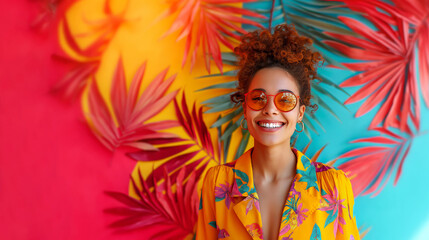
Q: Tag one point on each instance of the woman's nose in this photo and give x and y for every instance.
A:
(270, 107)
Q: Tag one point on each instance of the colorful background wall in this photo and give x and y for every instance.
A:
(111, 111)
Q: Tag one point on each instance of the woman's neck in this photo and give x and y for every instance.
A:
(273, 163)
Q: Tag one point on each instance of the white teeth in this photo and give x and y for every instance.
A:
(270, 125)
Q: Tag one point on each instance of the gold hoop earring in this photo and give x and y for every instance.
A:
(302, 123)
(241, 124)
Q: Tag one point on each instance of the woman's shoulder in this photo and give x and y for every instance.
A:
(222, 172)
(331, 177)
(323, 169)
(335, 184)
(223, 167)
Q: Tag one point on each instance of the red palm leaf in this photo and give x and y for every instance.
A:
(373, 165)
(205, 23)
(416, 12)
(49, 10)
(162, 212)
(72, 84)
(388, 64)
(126, 126)
(199, 143)
(172, 167)
(82, 70)
(199, 140)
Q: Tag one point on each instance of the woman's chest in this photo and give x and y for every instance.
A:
(241, 222)
(272, 200)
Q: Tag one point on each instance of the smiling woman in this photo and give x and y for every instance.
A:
(274, 191)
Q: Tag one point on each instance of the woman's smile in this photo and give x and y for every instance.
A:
(270, 125)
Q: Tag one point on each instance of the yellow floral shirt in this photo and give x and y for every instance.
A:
(319, 204)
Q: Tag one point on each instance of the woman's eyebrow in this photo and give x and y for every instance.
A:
(280, 90)
(284, 90)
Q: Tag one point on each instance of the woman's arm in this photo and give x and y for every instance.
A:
(206, 225)
(350, 229)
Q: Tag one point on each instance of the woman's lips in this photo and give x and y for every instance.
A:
(270, 126)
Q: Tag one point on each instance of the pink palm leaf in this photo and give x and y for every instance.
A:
(126, 126)
(372, 165)
(205, 23)
(160, 212)
(199, 141)
(48, 13)
(416, 12)
(387, 67)
(76, 80)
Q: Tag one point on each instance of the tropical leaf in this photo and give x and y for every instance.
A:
(225, 144)
(372, 165)
(160, 211)
(185, 150)
(363, 232)
(126, 126)
(205, 24)
(241, 147)
(76, 79)
(105, 29)
(86, 65)
(387, 64)
(49, 11)
(416, 12)
(313, 158)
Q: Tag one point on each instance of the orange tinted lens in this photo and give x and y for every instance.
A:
(285, 101)
(256, 99)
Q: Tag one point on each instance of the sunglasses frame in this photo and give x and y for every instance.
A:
(274, 97)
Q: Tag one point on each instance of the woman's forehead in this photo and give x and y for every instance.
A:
(273, 80)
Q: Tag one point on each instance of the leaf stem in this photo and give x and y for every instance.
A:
(271, 14)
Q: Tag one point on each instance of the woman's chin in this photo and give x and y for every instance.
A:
(270, 139)
(270, 142)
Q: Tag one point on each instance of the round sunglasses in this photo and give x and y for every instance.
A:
(284, 101)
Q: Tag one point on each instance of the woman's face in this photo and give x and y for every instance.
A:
(272, 80)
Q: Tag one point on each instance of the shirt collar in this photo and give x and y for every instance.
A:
(243, 185)
(304, 191)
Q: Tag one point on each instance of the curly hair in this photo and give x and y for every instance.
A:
(285, 49)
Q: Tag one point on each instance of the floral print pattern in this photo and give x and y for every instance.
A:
(222, 233)
(223, 192)
(319, 199)
(254, 230)
(252, 201)
(333, 205)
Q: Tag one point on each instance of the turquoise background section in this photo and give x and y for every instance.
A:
(398, 212)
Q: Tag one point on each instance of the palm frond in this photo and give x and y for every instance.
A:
(386, 66)
(162, 212)
(185, 150)
(49, 12)
(372, 166)
(86, 65)
(207, 23)
(126, 126)
(415, 12)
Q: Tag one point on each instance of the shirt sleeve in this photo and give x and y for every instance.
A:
(206, 225)
(350, 229)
